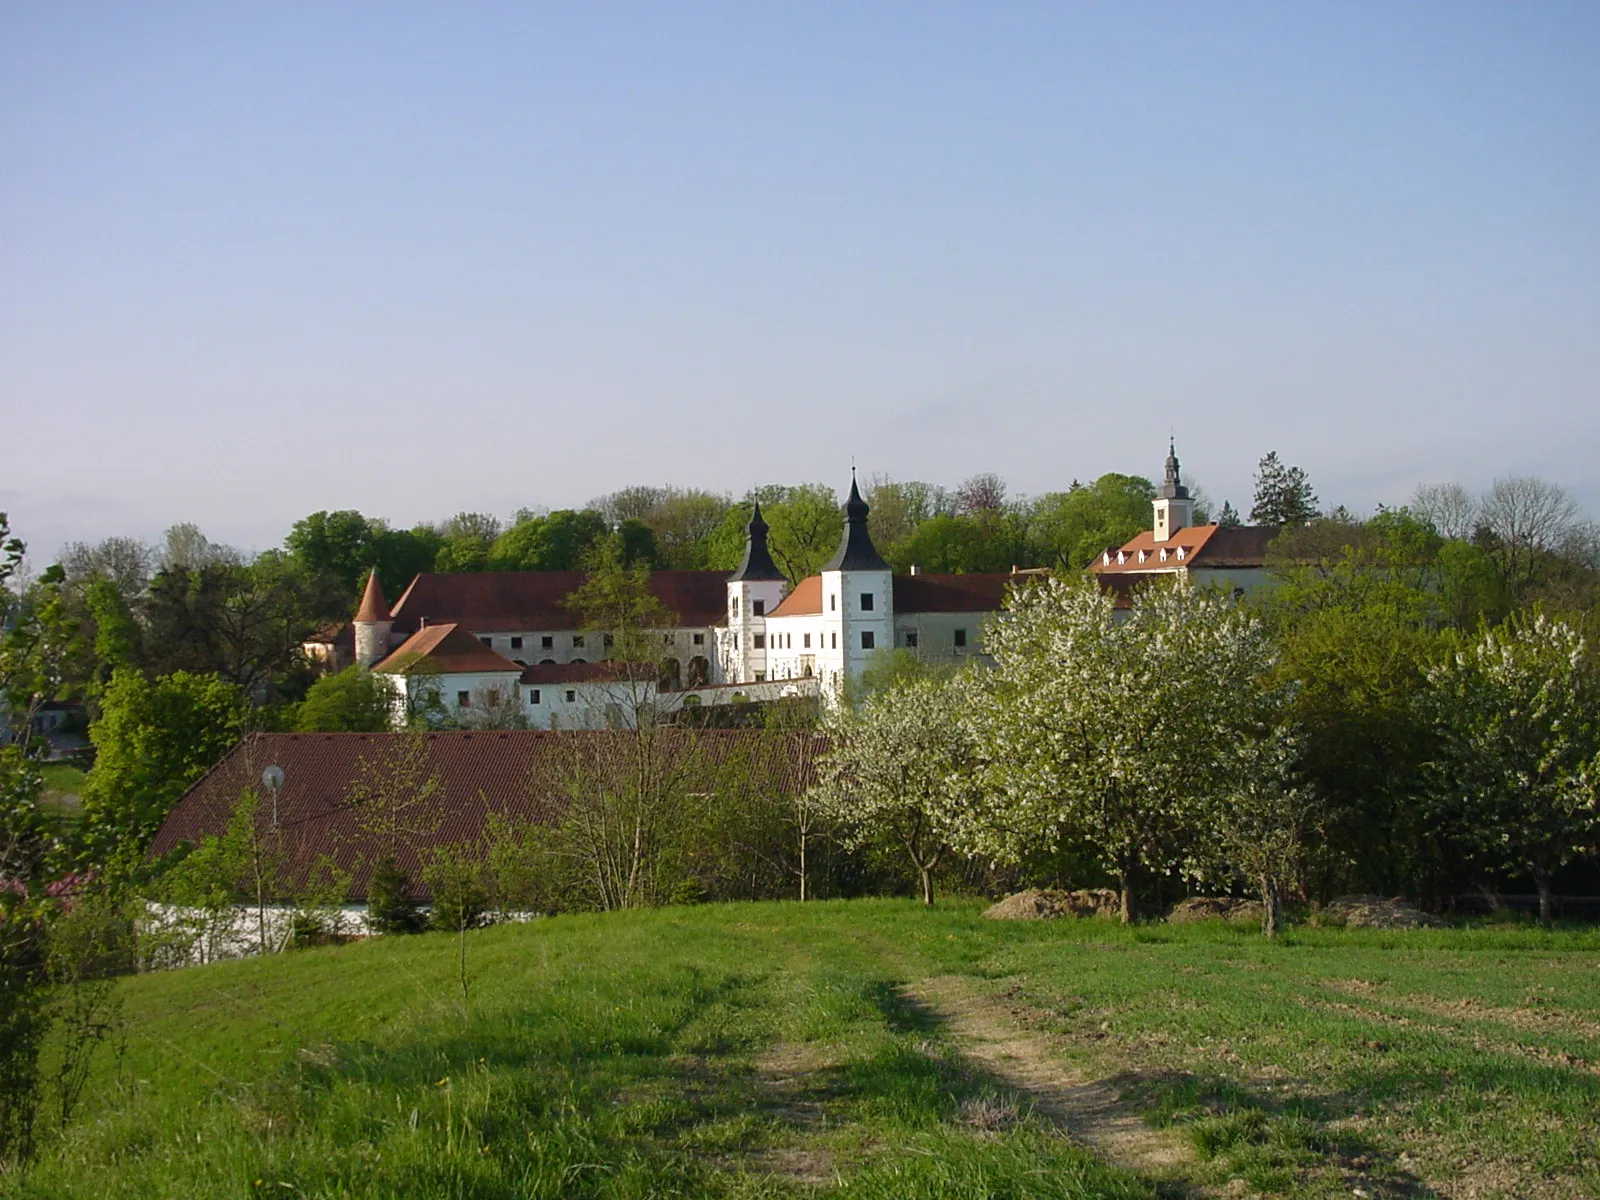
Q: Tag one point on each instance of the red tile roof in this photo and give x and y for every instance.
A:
(448, 649)
(950, 593)
(372, 606)
(512, 601)
(805, 600)
(928, 593)
(1206, 546)
(341, 634)
(523, 774)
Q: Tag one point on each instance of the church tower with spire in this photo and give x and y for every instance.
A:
(372, 625)
(754, 590)
(857, 599)
(1174, 509)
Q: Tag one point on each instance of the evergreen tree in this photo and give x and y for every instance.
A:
(1284, 495)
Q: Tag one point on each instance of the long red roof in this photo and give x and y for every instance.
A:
(515, 601)
(523, 774)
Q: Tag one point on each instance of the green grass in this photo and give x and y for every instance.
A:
(63, 779)
(766, 1050)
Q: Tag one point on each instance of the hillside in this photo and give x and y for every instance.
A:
(861, 1049)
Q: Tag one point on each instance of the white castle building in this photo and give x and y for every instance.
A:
(489, 637)
(472, 637)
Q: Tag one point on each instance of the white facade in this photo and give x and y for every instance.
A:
(459, 692)
(743, 650)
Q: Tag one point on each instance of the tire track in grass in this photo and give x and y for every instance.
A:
(788, 1076)
(1087, 1109)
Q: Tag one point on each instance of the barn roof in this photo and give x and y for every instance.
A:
(521, 773)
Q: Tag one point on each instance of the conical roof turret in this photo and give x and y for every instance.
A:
(757, 565)
(373, 607)
(856, 551)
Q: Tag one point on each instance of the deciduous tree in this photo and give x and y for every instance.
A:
(153, 739)
(354, 700)
(903, 769)
(1118, 734)
(1518, 713)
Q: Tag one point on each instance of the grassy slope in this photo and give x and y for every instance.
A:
(634, 1055)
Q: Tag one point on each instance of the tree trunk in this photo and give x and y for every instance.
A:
(802, 868)
(1125, 879)
(1272, 902)
(927, 884)
(1541, 880)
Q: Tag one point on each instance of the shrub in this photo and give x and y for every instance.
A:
(390, 908)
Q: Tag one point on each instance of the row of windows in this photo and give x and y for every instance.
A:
(785, 641)
(758, 608)
(869, 640)
(547, 642)
(464, 699)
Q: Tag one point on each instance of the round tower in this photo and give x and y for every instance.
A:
(372, 625)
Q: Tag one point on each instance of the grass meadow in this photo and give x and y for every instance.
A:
(862, 1049)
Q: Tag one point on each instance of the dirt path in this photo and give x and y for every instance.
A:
(1084, 1106)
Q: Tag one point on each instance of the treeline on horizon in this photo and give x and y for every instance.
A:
(175, 652)
(191, 604)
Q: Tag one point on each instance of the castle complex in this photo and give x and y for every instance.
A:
(484, 637)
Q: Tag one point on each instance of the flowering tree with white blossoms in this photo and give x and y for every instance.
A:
(1519, 718)
(1124, 734)
(1262, 823)
(902, 767)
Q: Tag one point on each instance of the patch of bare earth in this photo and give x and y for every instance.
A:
(1085, 1107)
(791, 1079)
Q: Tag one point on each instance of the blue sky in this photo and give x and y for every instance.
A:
(257, 261)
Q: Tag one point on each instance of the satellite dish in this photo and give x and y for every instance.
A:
(272, 777)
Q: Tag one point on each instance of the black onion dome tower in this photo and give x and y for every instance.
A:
(1173, 507)
(757, 566)
(1173, 488)
(856, 551)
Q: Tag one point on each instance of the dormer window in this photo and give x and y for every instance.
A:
(1163, 554)
(1143, 554)
(1105, 559)
(1181, 554)
(1121, 558)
